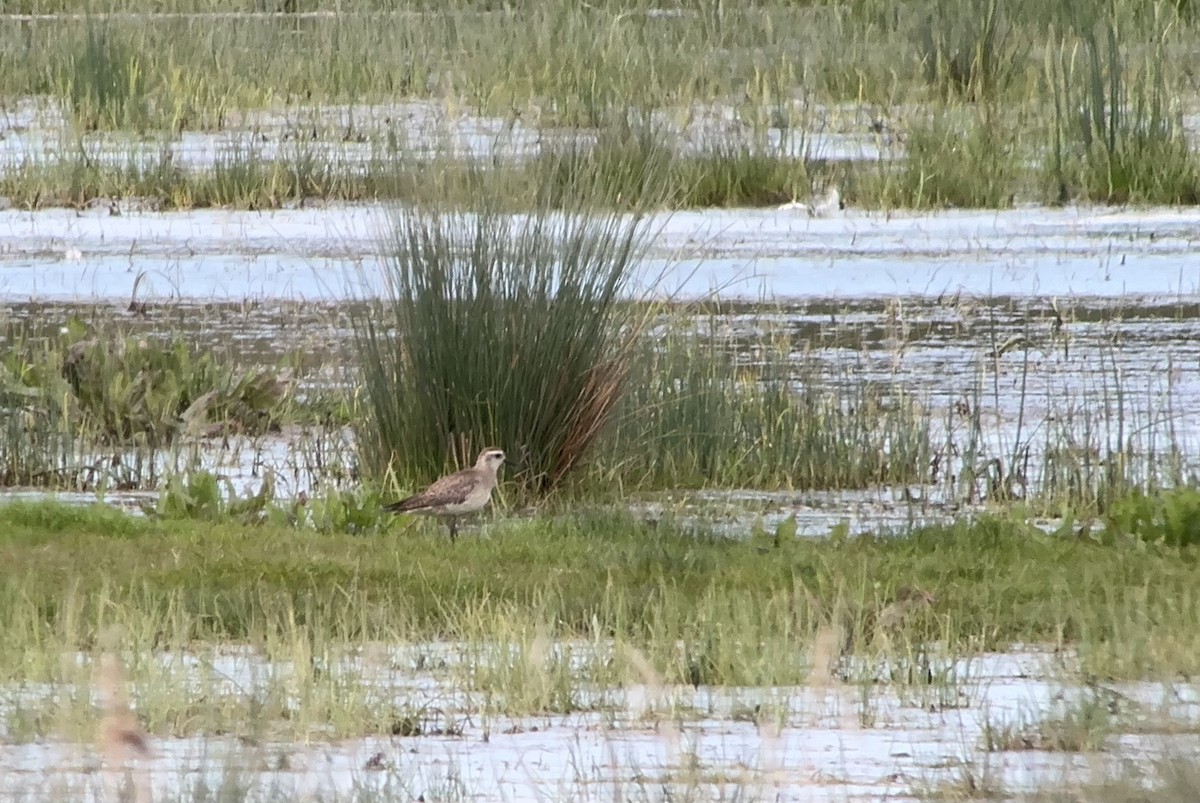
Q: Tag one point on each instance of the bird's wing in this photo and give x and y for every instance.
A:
(451, 489)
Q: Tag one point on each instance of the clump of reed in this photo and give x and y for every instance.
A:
(241, 177)
(105, 82)
(970, 50)
(641, 164)
(1117, 134)
(497, 329)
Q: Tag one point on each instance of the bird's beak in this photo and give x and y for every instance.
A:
(510, 462)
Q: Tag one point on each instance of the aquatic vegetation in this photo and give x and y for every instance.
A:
(104, 82)
(1102, 85)
(705, 408)
(498, 330)
(962, 158)
(93, 407)
(1117, 133)
(1079, 726)
(126, 389)
(1169, 518)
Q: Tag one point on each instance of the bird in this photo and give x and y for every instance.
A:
(457, 494)
(121, 734)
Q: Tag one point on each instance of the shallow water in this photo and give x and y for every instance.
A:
(1101, 255)
(353, 137)
(1070, 333)
(1082, 378)
(826, 741)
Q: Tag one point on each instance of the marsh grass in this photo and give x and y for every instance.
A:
(268, 633)
(978, 165)
(630, 167)
(37, 444)
(710, 407)
(1107, 68)
(1172, 778)
(1169, 518)
(968, 780)
(125, 389)
(971, 50)
(640, 164)
(1118, 135)
(241, 177)
(105, 83)
(629, 160)
(1078, 442)
(520, 670)
(959, 157)
(1080, 726)
(698, 608)
(728, 173)
(498, 330)
(95, 406)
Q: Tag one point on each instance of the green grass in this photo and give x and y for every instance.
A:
(1117, 133)
(638, 165)
(1081, 726)
(707, 409)
(961, 157)
(1101, 84)
(613, 602)
(601, 573)
(241, 178)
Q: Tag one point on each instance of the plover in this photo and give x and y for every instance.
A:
(457, 494)
(121, 735)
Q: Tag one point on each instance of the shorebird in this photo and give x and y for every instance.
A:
(121, 735)
(457, 494)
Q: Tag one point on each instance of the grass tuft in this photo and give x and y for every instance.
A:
(500, 330)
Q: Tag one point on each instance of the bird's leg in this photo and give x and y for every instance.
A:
(453, 527)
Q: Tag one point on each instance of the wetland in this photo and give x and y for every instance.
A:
(847, 353)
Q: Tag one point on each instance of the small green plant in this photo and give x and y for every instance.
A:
(200, 495)
(1170, 518)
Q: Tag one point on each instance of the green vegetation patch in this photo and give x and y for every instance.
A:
(597, 574)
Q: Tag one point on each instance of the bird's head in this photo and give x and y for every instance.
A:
(491, 459)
